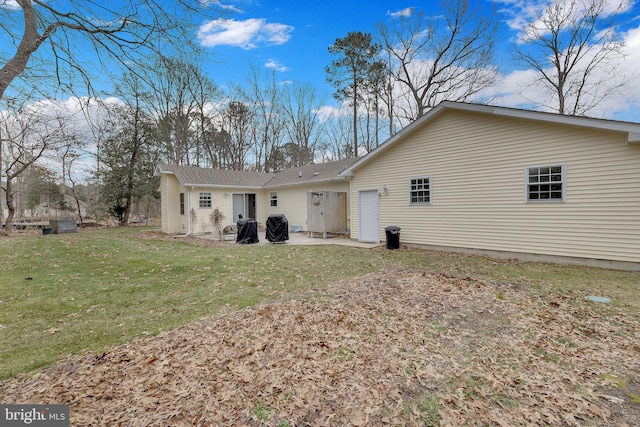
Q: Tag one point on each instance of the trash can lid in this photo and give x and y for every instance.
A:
(392, 228)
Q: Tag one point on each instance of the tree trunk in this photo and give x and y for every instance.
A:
(28, 44)
(355, 116)
(8, 226)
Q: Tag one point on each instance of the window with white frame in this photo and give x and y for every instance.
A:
(545, 183)
(420, 191)
(273, 199)
(205, 200)
(181, 203)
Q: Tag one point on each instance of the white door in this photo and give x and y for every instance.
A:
(369, 216)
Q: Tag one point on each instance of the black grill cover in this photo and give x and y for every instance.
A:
(277, 228)
(247, 231)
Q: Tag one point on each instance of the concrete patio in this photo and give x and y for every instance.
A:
(300, 239)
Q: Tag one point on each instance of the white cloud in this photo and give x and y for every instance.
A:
(328, 111)
(245, 34)
(522, 13)
(519, 88)
(276, 65)
(406, 12)
(10, 5)
(221, 5)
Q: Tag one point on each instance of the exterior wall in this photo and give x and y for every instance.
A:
(223, 200)
(170, 204)
(174, 223)
(292, 201)
(476, 164)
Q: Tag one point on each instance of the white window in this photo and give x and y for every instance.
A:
(273, 199)
(420, 191)
(205, 200)
(181, 203)
(545, 183)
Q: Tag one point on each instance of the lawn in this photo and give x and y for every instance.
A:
(63, 294)
(125, 324)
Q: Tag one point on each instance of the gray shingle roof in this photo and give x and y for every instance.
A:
(310, 173)
(194, 175)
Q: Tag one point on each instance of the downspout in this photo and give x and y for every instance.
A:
(189, 216)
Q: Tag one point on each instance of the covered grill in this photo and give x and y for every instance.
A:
(247, 231)
(277, 228)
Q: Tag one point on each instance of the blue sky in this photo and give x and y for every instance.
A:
(292, 38)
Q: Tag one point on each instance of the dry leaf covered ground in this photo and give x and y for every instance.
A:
(403, 347)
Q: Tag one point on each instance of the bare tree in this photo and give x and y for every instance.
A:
(443, 57)
(301, 107)
(267, 122)
(336, 145)
(26, 136)
(177, 95)
(123, 32)
(235, 137)
(207, 98)
(75, 193)
(573, 47)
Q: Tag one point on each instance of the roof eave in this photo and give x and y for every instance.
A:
(633, 138)
(242, 187)
(290, 184)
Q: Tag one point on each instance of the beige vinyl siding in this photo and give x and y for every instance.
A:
(476, 164)
(200, 217)
(170, 202)
(221, 199)
(292, 201)
(262, 206)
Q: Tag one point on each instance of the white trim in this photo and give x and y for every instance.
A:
(428, 178)
(200, 199)
(563, 171)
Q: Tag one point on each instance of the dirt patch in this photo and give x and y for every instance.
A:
(197, 241)
(398, 348)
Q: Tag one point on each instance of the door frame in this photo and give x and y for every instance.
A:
(249, 206)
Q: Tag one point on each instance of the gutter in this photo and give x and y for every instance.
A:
(189, 215)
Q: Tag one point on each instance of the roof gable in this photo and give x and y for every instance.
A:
(632, 130)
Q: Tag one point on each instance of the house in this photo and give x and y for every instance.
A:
(189, 194)
(504, 181)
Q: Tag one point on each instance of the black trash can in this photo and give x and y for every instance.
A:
(393, 237)
(277, 228)
(247, 231)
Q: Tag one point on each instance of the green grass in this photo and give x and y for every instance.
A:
(427, 408)
(65, 294)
